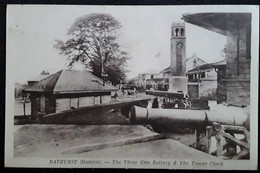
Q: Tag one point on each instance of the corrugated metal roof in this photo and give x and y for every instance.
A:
(71, 81)
(166, 69)
(201, 67)
(220, 63)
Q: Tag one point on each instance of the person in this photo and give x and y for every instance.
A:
(150, 104)
(160, 102)
(116, 95)
(155, 103)
(135, 91)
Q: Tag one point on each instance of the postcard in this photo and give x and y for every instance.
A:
(152, 87)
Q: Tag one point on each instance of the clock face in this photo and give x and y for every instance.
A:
(180, 45)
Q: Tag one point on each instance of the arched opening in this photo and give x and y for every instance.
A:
(182, 32)
(177, 32)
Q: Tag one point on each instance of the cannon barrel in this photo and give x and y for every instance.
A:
(187, 118)
(165, 94)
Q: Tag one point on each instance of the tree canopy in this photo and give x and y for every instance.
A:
(94, 42)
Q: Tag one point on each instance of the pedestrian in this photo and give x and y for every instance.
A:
(150, 104)
(116, 95)
(155, 103)
(135, 91)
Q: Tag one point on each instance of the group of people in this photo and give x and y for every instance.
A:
(156, 102)
(129, 91)
(126, 92)
(162, 102)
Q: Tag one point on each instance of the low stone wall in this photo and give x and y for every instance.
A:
(110, 113)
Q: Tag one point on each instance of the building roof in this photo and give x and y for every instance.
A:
(38, 78)
(217, 22)
(220, 63)
(70, 81)
(168, 69)
(202, 67)
(196, 58)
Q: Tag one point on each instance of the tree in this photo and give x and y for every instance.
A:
(94, 43)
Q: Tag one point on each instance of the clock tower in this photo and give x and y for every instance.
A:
(178, 49)
(178, 81)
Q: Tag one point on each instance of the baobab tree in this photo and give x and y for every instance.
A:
(94, 43)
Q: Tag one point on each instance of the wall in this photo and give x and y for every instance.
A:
(193, 90)
(66, 103)
(238, 92)
(95, 114)
(221, 86)
(35, 104)
(208, 89)
(50, 104)
(238, 63)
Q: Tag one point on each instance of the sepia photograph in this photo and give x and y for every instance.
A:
(159, 87)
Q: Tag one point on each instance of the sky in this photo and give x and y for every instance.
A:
(32, 30)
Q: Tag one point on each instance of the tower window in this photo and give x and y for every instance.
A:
(182, 32)
(177, 31)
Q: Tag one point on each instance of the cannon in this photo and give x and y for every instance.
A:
(186, 117)
(165, 94)
(221, 125)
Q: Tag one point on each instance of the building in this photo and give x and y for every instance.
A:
(141, 80)
(237, 28)
(202, 82)
(220, 68)
(18, 90)
(193, 61)
(166, 73)
(37, 78)
(68, 89)
(161, 84)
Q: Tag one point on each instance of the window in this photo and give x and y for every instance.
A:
(202, 74)
(177, 31)
(152, 76)
(182, 32)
